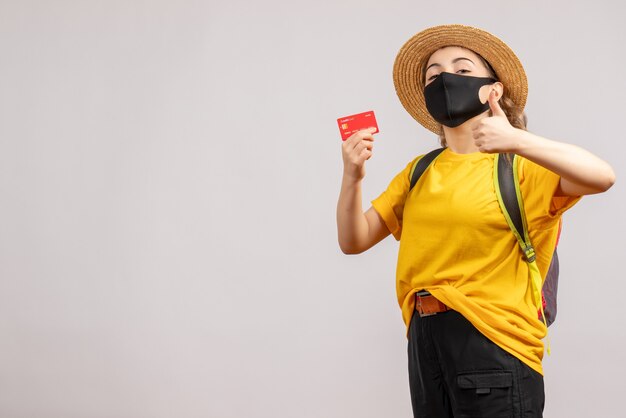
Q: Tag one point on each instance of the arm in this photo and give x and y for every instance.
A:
(357, 231)
(581, 172)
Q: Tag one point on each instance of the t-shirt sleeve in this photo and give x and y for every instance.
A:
(540, 192)
(390, 204)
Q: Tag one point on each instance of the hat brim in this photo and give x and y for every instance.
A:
(413, 56)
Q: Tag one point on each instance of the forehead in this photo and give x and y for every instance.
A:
(448, 53)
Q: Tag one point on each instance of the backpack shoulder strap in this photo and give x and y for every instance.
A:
(422, 164)
(506, 182)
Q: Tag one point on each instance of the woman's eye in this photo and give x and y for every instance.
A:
(463, 71)
(432, 77)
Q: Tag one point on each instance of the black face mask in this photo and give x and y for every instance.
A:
(452, 99)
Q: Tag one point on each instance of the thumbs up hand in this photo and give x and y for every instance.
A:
(495, 134)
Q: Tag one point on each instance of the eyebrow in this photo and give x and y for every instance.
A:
(453, 62)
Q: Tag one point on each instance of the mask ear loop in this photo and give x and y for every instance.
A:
(490, 90)
(496, 91)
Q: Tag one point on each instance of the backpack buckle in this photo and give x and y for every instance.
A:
(529, 253)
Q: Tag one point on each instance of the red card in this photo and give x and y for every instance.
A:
(351, 124)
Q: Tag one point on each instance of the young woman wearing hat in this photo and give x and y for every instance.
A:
(475, 341)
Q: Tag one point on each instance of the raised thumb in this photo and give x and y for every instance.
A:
(494, 105)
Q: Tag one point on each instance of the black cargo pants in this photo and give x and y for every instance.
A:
(455, 371)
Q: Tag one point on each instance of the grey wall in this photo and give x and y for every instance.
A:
(168, 179)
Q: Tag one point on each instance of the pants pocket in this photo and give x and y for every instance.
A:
(485, 394)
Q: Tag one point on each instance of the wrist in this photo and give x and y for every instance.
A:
(350, 178)
(523, 142)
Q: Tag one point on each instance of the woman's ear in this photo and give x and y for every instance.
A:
(498, 87)
(485, 91)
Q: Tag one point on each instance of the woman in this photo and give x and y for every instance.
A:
(475, 341)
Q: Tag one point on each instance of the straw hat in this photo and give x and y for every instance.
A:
(413, 56)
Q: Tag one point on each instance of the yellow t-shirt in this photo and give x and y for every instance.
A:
(455, 243)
